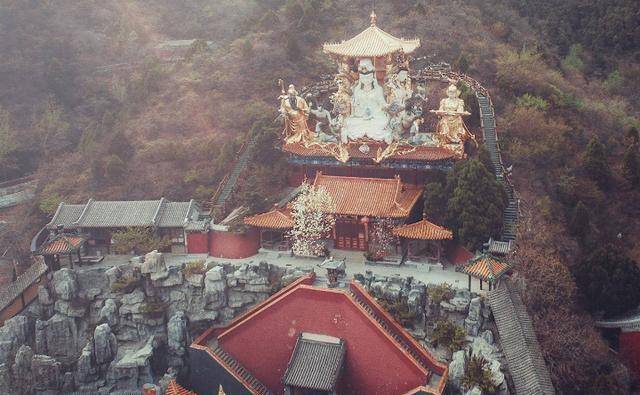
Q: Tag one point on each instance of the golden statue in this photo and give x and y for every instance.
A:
(295, 111)
(451, 131)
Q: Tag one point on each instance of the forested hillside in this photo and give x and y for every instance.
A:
(564, 76)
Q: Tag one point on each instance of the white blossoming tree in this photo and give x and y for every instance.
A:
(312, 220)
(382, 238)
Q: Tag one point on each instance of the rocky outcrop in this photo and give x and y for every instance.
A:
(474, 319)
(178, 339)
(101, 330)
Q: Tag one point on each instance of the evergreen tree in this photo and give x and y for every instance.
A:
(476, 203)
(579, 224)
(608, 280)
(633, 135)
(596, 165)
(485, 158)
(631, 165)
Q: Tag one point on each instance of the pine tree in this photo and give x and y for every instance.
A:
(631, 165)
(596, 165)
(608, 280)
(579, 224)
(476, 203)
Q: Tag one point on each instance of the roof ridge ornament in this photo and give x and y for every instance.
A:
(374, 18)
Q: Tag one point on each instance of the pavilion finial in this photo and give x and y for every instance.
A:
(374, 18)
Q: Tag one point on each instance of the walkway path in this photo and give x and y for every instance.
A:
(355, 264)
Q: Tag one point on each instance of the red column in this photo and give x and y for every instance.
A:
(629, 350)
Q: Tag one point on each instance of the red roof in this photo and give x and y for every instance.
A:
(459, 255)
(485, 267)
(419, 153)
(176, 389)
(423, 230)
(374, 197)
(262, 341)
(62, 244)
(274, 219)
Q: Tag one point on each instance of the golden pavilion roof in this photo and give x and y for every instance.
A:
(372, 42)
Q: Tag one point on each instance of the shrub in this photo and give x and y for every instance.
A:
(195, 267)
(478, 374)
(126, 283)
(138, 240)
(440, 293)
(449, 335)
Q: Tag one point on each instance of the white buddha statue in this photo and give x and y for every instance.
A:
(368, 117)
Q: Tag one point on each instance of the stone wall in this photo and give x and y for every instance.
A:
(110, 329)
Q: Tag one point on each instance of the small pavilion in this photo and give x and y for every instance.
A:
(373, 43)
(423, 239)
(486, 268)
(273, 226)
(62, 244)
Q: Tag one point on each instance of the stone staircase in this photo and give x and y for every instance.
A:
(510, 215)
(256, 386)
(229, 183)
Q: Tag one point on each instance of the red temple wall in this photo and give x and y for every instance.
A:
(197, 242)
(373, 364)
(629, 346)
(234, 245)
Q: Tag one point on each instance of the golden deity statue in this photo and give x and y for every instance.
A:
(451, 130)
(295, 111)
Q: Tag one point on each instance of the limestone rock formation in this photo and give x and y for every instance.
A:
(65, 284)
(177, 339)
(474, 320)
(46, 373)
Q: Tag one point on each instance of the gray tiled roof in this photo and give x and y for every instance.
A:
(316, 362)
(519, 343)
(121, 214)
(66, 215)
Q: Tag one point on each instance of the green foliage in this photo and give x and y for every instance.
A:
(114, 167)
(126, 283)
(49, 202)
(528, 100)
(400, 310)
(485, 158)
(596, 164)
(475, 204)
(53, 130)
(633, 135)
(579, 224)
(195, 267)
(608, 280)
(440, 293)
(631, 165)
(138, 240)
(462, 63)
(614, 82)
(478, 374)
(449, 335)
(573, 60)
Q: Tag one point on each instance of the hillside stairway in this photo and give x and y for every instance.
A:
(218, 203)
(488, 122)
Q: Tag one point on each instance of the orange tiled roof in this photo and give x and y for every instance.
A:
(485, 267)
(375, 197)
(423, 230)
(420, 153)
(62, 244)
(274, 219)
(176, 389)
